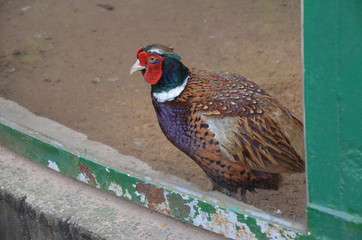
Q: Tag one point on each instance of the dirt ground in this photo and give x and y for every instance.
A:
(70, 61)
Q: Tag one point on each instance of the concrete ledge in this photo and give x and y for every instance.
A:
(21, 221)
(38, 203)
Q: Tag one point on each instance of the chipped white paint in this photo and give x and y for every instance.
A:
(142, 198)
(223, 221)
(171, 94)
(163, 207)
(107, 170)
(53, 166)
(116, 189)
(184, 197)
(192, 205)
(83, 178)
(274, 232)
(127, 195)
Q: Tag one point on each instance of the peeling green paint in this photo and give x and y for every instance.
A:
(178, 206)
(228, 221)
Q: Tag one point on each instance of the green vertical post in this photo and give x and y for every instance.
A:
(333, 112)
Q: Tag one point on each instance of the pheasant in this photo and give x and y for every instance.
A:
(240, 136)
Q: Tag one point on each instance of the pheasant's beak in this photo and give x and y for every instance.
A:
(136, 67)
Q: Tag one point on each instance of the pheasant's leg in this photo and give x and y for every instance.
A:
(252, 180)
(237, 193)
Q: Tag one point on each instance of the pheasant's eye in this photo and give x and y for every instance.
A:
(152, 59)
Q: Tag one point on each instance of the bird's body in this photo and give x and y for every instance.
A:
(237, 133)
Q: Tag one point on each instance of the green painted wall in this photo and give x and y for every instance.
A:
(333, 110)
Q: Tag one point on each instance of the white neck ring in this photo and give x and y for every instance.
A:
(171, 94)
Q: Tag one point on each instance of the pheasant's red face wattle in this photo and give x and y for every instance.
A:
(153, 64)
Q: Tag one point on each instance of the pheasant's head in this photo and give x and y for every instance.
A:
(150, 60)
(161, 68)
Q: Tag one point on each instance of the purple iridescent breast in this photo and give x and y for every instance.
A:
(173, 120)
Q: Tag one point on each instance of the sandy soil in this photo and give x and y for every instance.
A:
(70, 61)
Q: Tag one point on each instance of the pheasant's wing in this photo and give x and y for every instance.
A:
(215, 160)
(253, 128)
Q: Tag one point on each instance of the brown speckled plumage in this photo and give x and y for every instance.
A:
(223, 94)
(261, 137)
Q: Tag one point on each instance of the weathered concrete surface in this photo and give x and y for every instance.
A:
(38, 203)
